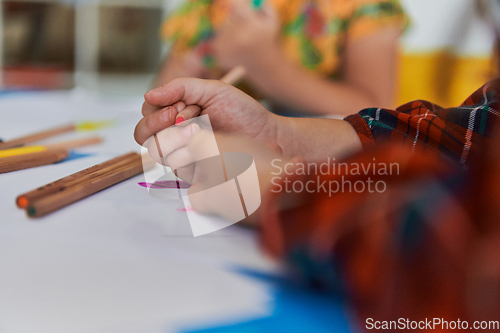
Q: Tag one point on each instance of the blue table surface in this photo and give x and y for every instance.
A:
(296, 309)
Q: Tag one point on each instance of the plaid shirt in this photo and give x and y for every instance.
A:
(425, 247)
(456, 134)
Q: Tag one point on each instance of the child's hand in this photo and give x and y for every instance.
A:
(248, 36)
(209, 173)
(230, 110)
(196, 156)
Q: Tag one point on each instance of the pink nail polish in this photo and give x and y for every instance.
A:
(179, 120)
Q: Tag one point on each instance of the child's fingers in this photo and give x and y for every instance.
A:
(168, 141)
(185, 173)
(213, 202)
(191, 111)
(153, 123)
(179, 158)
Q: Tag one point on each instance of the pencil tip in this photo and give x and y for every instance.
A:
(22, 202)
(31, 211)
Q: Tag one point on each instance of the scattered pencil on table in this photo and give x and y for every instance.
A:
(83, 126)
(25, 199)
(39, 148)
(26, 161)
(77, 143)
(82, 184)
(22, 141)
(21, 151)
(86, 126)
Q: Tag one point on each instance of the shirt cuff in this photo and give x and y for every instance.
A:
(362, 129)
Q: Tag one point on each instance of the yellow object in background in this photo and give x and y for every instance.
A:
(448, 50)
(444, 78)
(93, 125)
(21, 151)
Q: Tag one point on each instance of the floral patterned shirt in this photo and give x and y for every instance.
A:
(313, 33)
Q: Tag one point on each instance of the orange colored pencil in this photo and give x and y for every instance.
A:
(80, 190)
(26, 199)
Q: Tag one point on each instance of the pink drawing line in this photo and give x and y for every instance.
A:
(166, 184)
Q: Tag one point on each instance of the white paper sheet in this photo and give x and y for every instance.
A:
(120, 260)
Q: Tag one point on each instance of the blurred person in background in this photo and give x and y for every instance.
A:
(318, 57)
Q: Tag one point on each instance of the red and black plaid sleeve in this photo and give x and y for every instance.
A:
(426, 246)
(456, 134)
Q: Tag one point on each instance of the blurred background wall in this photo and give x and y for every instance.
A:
(113, 45)
(449, 49)
(104, 45)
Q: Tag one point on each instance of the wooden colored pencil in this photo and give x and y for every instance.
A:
(234, 75)
(26, 199)
(21, 151)
(37, 136)
(14, 163)
(76, 143)
(50, 203)
(38, 148)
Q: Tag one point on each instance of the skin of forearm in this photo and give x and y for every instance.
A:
(312, 140)
(316, 139)
(281, 80)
